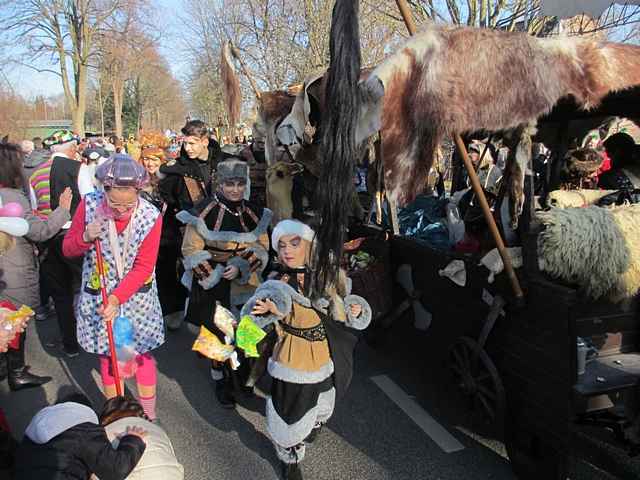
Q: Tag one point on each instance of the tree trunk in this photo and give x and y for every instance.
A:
(118, 93)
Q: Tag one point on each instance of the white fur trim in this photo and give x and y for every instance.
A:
(291, 227)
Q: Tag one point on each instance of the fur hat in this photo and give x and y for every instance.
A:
(291, 227)
(230, 169)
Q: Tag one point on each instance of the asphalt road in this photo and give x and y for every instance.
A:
(369, 437)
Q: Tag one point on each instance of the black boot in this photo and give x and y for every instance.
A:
(291, 471)
(224, 390)
(314, 434)
(19, 376)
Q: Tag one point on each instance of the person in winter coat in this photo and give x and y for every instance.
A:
(128, 229)
(185, 182)
(225, 251)
(66, 442)
(19, 265)
(159, 460)
(312, 360)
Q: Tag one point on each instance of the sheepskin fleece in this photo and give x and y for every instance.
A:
(576, 198)
(596, 248)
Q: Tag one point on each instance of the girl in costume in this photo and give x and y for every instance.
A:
(128, 228)
(225, 250)
(312, 361)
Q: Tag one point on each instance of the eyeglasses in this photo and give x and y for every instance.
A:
(126, 206)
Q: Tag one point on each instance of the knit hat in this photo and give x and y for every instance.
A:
(291, 227)
(11, 221)
(122, 171)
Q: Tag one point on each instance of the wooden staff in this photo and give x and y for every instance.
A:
(245, 70)
(108, 325)
(475, 181)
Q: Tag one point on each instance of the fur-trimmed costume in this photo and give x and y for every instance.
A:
(312, 361)
(222, 233)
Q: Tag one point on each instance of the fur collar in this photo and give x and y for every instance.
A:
(211, 236)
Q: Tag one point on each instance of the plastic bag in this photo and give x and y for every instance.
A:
(225, 321)
(124, 339)
(248, 336)
(211, 347)
(455, 225)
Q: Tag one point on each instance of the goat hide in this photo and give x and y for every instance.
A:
(429, 92)
(597, 249)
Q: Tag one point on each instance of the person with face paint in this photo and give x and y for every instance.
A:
(128, 228)
(225, 251)
(312, 360)
(171, 292)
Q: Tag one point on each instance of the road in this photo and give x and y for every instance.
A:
(369, 437)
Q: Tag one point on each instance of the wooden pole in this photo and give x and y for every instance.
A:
(245, 70)
(475, 181)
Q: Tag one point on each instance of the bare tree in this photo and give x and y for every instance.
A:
(63, 34)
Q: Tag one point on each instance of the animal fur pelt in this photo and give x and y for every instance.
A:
(576, 198)
(339, 143)
(230, 85)
(596, 248)
(428, 93)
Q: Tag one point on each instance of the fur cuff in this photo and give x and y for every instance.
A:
(361, 322)
(192, 261)
(275, 291)
(244, 270)
(213, 279)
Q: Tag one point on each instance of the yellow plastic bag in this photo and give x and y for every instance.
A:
(211, 347)
(248, 336)
(17, 316)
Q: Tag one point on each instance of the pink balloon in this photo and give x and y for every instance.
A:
(11, 209)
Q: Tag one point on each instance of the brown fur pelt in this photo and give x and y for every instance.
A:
(230, 85)
(597, 249)
(429, 94)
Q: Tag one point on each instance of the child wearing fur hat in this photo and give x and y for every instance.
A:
(311, 364)
(225, 251)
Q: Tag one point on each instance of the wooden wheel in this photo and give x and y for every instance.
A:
(477, 379)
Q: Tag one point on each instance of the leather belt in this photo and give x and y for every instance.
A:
(313, 334)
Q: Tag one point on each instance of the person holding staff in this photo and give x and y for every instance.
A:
(128, 229)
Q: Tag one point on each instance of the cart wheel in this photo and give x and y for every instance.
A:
(531, 457)
(475, 375)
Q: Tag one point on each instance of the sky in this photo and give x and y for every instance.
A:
(29, 83)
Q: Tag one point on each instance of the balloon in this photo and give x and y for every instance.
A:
(11, 209)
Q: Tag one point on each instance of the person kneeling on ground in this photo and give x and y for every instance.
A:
(66, 442)
(159, 460)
